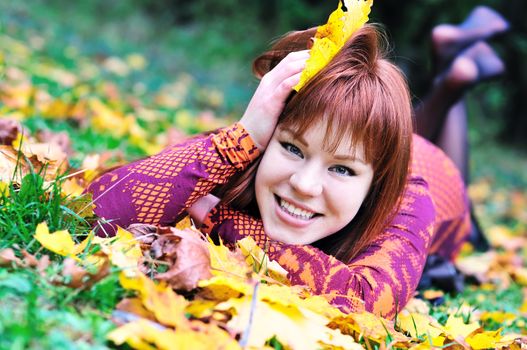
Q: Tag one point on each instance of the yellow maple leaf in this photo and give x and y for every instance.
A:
(200, 308)
(167, 306)
(329, 39)
(288, 297)
(370, 326)
(484, 340)
(224, 287)
(71, 187)
(105, 119)
(142, 334)
(497, 316)
(418, 324)
(256, 257)
(123, 250)
(456, 327)
(285, 323)
(520, 275)
(60, 242)
(184, 223)
(4, 189)
(226, 262)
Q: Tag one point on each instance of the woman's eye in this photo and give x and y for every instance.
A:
(342, 170)
(292, 149)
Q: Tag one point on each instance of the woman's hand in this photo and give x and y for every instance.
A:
(266, 105)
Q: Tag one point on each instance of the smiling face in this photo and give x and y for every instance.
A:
(306, 192)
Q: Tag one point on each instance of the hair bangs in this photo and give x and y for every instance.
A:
(344, 108)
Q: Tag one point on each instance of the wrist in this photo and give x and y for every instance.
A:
(254, 134)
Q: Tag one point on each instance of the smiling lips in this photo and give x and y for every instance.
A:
(294, 211)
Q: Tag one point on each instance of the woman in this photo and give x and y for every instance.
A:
(331, 199)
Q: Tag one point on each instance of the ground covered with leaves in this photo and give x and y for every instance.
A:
(67, 114)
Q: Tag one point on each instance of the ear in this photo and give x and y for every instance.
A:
(310, 43)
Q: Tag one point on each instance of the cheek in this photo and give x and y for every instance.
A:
(347, 200)
(261, 181)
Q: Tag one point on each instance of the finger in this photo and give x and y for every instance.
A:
(295, 56)
(287, 69)
(284, 89)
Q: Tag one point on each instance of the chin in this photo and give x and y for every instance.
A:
(289, 239)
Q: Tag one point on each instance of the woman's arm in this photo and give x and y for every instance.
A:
(381, 279)
(156, 190)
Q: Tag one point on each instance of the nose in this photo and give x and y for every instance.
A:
(307, 181)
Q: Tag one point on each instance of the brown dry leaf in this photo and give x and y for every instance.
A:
(76, 276)
(43, 264)
(47, 153)
(9, 130)
(39, 155)
(144, 233)
(60, 139)
(30, 259)
(8, 165)
(8, 257)
(192, 260)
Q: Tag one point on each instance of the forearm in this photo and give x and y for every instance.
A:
(158, 189)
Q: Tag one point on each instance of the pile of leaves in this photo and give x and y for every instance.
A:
(233, 299)
(171, 287)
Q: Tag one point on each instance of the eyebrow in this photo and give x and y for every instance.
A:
(349, 158)
(295, 136)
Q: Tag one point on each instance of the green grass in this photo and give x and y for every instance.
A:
(39, 310)
(33, 202)
(36, 314)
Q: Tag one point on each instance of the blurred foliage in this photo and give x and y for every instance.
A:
(216, 40)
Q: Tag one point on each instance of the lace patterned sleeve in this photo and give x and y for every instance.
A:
(381, 279)
(156, 190)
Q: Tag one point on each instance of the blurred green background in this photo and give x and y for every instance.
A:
(215, 42)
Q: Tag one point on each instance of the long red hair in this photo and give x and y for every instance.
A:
(360, 94)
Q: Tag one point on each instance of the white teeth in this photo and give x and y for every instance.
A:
(292, 210)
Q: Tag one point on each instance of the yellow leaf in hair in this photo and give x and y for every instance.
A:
(329, 39)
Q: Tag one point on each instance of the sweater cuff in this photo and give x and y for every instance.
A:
(234, 144)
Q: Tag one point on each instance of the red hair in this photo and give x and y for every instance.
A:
(363, 97)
